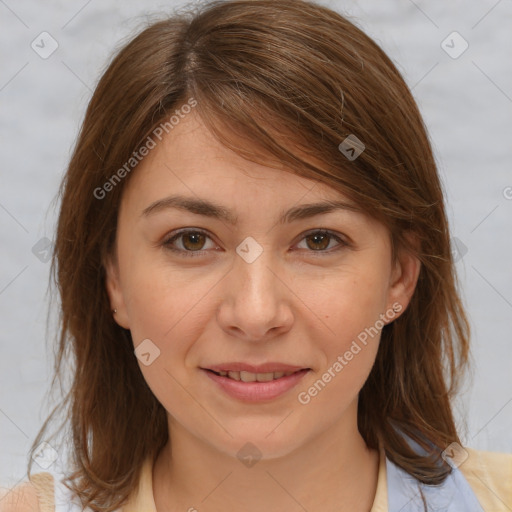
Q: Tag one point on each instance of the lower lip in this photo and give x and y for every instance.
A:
(257, 391)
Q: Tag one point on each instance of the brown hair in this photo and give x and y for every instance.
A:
(284, 75)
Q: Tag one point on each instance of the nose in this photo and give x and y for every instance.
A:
(256, 300)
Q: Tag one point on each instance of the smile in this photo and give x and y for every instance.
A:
(254, 377)
(260, 386)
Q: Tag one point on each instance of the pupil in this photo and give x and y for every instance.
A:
(196, 238)
(318, 238)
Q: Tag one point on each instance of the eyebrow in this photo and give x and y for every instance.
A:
(216, 211)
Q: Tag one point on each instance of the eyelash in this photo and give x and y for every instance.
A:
(183, 252)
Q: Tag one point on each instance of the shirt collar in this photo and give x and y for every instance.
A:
(396, 490)
(143, 501)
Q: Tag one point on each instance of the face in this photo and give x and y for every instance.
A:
(249, 325)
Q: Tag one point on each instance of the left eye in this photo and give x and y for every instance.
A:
(193, 241)
(321, 239)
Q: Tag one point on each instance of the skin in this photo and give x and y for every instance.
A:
(294, 304)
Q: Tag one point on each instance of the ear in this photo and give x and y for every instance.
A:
(404, 276)
(114, 291)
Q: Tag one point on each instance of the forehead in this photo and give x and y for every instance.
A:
(191, 159)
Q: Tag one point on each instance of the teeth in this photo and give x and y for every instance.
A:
(254, 377)
(264, 377)
(249, 377)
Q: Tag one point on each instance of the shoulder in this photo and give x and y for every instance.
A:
(22, 498)
(43, 492)
(490, 476)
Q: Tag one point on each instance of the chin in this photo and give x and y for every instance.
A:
(261, 440)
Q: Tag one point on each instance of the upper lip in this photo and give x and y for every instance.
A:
(254, 368)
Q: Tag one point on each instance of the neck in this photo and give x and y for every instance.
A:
(335, 471)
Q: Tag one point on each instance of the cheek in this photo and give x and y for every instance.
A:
(160, 299)
(167, 307)
(348, 309)
(163, 309)
(346, 304)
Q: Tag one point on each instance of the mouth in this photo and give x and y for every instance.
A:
(245, 376)
(251, 383)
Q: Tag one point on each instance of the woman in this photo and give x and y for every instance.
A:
(256, 281)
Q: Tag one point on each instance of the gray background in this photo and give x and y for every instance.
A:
(467, 106)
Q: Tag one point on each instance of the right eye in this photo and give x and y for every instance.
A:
(191, 240)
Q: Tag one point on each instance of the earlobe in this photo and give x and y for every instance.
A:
(114, 291)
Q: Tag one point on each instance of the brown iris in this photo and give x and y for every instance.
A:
(322, 238)
(197, 241)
